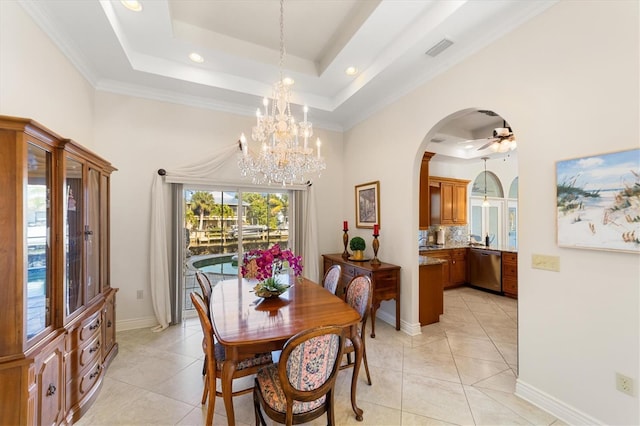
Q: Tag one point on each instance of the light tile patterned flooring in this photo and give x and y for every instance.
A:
(460, 371)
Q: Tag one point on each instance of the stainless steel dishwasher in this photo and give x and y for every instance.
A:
(485, 269)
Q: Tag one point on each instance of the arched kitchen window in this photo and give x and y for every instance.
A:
(513, 189)
(494, 187)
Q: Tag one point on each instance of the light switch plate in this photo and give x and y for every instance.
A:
(547, 263)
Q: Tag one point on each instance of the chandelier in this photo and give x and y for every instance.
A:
(285, 155)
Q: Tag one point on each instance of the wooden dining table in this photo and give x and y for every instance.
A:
(246, 324)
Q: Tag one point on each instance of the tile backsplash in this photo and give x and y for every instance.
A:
(452, 235)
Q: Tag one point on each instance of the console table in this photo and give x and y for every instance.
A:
(385, 278)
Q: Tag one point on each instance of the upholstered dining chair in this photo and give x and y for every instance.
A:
(300, 387)
(332, 278)
(215, 354)
(358, 295)
(206, 287)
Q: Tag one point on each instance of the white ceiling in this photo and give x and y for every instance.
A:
(146, 53)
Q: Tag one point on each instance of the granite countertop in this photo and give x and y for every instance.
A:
(427, 261)
(425, 249)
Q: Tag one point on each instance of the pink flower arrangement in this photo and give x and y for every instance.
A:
(266, 264)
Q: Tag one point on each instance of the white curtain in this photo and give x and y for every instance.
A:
(310, 252)
(159, 243)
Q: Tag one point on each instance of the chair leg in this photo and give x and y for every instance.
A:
(366, 364)
(330, 413)
(256, 407)
(211, 389)
(205, 391)
(204, 366)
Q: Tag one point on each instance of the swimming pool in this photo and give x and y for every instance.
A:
(224, 264)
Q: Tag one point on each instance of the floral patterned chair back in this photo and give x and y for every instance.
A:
(332, 278)
(300, 387)
(358, 295)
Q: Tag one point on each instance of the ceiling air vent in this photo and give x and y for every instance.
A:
(439, 47)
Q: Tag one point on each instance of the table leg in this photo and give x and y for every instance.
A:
(374, 309)
(398, 312)
(357, 345)
(228, 368)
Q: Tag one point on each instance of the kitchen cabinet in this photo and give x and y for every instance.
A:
(448, 198)
(458, 269)
(454, 270)
(425, 199)
(54, 260)
(510, 274)
(385, 278)
(430, 297)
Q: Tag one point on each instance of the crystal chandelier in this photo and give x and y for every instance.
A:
(285, 155)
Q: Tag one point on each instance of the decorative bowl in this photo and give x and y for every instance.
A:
(270, 288)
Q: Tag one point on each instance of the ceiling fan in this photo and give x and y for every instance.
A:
(502, 140)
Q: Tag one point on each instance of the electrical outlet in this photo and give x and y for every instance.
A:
(624, 384)
(140, 295)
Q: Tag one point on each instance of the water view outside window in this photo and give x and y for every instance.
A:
(218, 225)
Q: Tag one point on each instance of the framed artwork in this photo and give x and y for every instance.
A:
(368, 204)
(598, 202)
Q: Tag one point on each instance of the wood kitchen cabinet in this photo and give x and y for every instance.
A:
(430, 293)
(448, 200)
(54, 260)
(385, 278)
(454, 271)
(458, 268)
(425, 198)
(510, 274)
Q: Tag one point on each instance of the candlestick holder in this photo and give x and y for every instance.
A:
(376, 245)
(345, 240)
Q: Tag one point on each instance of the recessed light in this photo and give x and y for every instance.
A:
(288, 81)
(196, 58)
(351, 71)
(133, 5)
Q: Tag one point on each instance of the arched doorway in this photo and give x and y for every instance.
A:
(458, 142)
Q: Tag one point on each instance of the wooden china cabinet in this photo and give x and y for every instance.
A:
(57, 306)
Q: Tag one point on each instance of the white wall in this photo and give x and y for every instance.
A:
(559, 80)
(38, 82)
(141, 136)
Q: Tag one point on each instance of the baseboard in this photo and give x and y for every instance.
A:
(553, 406)
(135, 323)
(410, 329)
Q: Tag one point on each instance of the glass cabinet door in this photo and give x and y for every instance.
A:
(104, 232)
(38, 240)
(92, 235)
(73, 236)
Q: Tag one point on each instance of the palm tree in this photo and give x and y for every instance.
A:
(202, 204)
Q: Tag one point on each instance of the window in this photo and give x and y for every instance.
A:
(219, 225)
(499, 219)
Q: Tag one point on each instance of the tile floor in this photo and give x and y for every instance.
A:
(460, 371)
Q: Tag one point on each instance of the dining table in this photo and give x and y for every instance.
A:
(246, 324)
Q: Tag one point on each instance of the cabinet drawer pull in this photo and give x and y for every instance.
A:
(95, 374)
(109, 323)
(51, 390)
(95, 348)
(94, 326)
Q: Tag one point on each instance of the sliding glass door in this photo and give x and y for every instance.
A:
(219, 225)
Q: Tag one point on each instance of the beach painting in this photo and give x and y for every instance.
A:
(598, 202)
